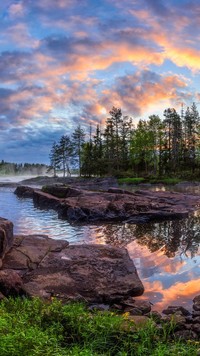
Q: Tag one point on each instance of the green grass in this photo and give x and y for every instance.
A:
(33, 327)
(169, 181)
(130, 180)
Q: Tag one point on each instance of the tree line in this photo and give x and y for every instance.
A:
(9, 168)
(153, 147)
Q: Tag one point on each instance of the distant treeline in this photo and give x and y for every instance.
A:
(154, 147)
(7, 168)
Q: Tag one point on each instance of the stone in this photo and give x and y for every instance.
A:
(174, 309)
(133, 311)
(11, 283)
(196, 307)
(196, 329)
(6, 237)
(185, 335)
(2, 296)
(156, 316)
(93, 273)
(196, 300)
(138, 320)
(99, 307)
(143, 305)
(196, 319)
(195, 313)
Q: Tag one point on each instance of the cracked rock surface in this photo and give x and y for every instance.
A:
(94, 273)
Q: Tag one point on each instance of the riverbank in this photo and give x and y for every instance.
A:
(51, 328)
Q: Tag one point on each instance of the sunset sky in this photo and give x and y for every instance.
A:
(65, 62)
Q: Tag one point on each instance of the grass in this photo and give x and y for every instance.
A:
(168, 181)
(131, 180)
(33, 327)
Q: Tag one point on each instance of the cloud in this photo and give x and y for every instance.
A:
(59, 56)
(16, 10)
(143, 90)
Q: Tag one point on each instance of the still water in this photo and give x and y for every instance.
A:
(166, 254)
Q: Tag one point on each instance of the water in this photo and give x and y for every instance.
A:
(166, 254)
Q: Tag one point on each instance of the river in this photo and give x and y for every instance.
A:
(166, 254)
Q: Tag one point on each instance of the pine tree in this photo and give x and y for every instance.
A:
(78, 138)
(54, 158)
(66, 154)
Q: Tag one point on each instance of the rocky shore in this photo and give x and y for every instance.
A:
(86, 206)
(101, 275)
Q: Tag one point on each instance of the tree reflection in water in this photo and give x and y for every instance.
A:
(180, 237)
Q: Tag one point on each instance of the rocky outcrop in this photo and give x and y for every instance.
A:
(187, 325)
(116, 204)
(94, 273)
(6, 237)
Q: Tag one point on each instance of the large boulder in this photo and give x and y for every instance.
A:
(6, 237)
(94, 273)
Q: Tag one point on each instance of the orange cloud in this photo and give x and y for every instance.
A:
(177, 294)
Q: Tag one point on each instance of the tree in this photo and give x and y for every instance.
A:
(54, 158)
(191, 124)
(155, 128)
(66, 154)
(78, 138)
(172, 139)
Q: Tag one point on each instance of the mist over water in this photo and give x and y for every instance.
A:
(166, 254)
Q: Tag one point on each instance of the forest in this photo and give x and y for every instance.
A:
(152, 148)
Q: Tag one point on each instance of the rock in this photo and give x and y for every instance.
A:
(174, 309)
(24, 191)
(196, 307)
(195, 313)
(77, 204)
(11, 284)
(29, 251)
(143, 305)
(99, 307)
(178, 320)
(133, 311)
(6, 237)
(94, 273)
(196, 319)
(186, 335)
(196, 300)
(156, 316)
(196, 329)
(2, 296)
(138, 320)
(61, 191)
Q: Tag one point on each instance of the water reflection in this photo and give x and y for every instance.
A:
(166, 280)
(180, 237)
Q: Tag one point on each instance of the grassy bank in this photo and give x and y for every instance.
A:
(149, 180)
(29, 328)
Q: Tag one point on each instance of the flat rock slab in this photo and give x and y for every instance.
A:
(94, 273)
(114, 205)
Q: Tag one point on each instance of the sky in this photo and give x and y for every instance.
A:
(68, 62)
